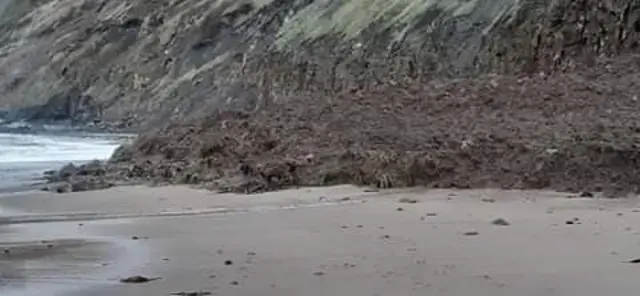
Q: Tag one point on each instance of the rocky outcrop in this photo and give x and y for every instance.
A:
(138, 63)
(71, 178)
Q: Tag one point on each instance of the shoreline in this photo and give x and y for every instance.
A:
(312, 241)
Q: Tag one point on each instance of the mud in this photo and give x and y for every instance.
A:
(573, 130)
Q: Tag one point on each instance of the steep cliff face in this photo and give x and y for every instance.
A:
(136, 63)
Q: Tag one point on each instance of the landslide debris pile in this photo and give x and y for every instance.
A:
(576, 130)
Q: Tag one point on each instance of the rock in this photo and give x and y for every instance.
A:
(93, 168)
(408, 200)
(471, 233)
(399, 209)
(66, 172)
(228, 262)
(500, 222)
(64, 188)
(586, 194)
(318, 273)
(198, 293)
(634, 261)
(138, 279)
(89, 183)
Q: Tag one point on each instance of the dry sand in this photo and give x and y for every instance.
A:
(318, 241)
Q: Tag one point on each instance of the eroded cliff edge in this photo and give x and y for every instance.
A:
(136, 63)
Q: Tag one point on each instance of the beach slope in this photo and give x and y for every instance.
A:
(318, 241)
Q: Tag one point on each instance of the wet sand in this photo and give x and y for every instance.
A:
(319, 241)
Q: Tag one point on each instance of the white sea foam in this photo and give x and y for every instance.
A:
(19, 148)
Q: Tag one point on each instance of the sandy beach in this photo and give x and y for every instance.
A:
(318, 241)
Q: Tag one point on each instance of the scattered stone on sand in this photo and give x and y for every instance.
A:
(7, 251)
(251, 253)
(228, 262)
(135, 237)
(432, 214)
(488, 200)
(359, 226)
(500, 222)
(344, 226)
(471, 233)
(386, 236)
(399, 209)
(586, 194)
(345, 199)
(573, 221)
(619, 214)
(318, 273)
(235, 283)
(408, 200)
(369, 190)
(199, 293)
(138, 279)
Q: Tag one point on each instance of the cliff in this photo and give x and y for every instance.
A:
(137, 63)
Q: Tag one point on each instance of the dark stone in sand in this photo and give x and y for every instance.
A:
(228, 262)
(634, 261)
(408, 200)
(471, 233)
(399, 209)
(500, 222)
(138, 279)
(199, 293)
(318, 273)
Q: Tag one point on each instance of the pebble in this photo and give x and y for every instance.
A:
(500, 222)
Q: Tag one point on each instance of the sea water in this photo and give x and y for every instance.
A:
(24, 157)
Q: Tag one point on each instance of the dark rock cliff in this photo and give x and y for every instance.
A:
(138, 63)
